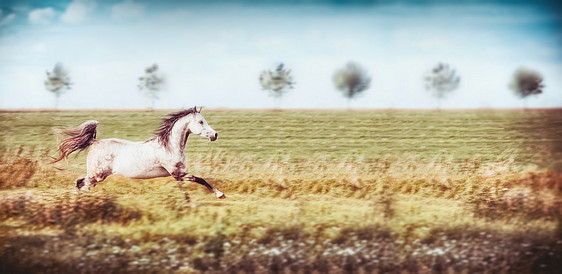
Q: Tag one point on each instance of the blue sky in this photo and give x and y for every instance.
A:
(212, 52)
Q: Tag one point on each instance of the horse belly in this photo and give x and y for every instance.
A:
(141, 172)
(147, 174)
(138, 167)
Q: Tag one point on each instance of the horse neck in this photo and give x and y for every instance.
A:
(179, 134)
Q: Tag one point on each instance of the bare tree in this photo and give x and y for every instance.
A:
(440, 81)
(57, 82)
(151, 84)
(351, 80)
(277, 82)
(525, 83)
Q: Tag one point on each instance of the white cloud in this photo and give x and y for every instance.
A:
(343, 43)
(38, 47)
(4, 20)
(127, 10)
(270, 44)
(41, 16)
(78, 10)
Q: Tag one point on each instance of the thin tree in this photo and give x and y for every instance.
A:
(526, 82)
(440, 81)
(151, 84)
(351, 80)
(277, 82)
(57, 82)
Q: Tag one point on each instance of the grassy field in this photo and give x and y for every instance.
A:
(308, 191)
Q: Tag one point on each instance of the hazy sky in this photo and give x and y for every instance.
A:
(212, 52)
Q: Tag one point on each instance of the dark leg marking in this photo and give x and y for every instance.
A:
(80, 183)
(201, 181)
(178, 172)
(180, 175)
(86, 181)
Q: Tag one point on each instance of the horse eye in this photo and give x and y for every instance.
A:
(201, 122)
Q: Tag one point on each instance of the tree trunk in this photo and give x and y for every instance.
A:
(278, 102)
(57, 96)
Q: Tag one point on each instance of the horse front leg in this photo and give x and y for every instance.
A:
(181, 175)
(200, 181)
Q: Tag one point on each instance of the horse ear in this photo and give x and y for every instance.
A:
(195, 109)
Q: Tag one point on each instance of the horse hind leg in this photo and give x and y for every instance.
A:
(85, 182)
(90, 181)
(80, 183)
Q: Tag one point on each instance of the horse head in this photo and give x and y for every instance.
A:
(198, 125)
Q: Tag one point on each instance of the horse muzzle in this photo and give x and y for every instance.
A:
(214, 137)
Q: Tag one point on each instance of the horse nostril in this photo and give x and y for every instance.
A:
(216, 135)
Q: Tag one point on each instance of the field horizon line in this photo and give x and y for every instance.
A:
(16, 110)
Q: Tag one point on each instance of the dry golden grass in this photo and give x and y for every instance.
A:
(317, 215)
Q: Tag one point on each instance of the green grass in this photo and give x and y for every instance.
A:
(531, 137)
(325, 191)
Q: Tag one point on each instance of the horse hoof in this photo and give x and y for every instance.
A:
(220, 195)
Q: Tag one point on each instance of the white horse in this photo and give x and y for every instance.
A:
(159, 156)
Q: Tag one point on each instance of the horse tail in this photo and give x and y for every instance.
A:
(78, 138)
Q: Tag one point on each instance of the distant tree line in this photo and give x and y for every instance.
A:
(277, 82)
(526, 82)
(351, 80)
(57, 82)
(151, 84)
(440, 81)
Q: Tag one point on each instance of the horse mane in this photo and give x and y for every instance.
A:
(165, 130)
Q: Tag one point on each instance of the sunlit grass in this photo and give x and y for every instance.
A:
(293, 204)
